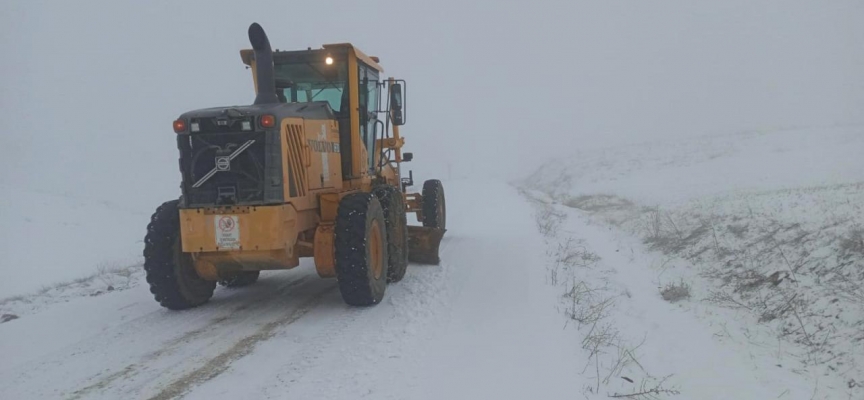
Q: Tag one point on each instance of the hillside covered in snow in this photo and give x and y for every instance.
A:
(757, 234)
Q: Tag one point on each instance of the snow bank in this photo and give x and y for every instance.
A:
(53, 238)
(670, 172)
(764, 227)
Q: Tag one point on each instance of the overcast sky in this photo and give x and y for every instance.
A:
(89, 88)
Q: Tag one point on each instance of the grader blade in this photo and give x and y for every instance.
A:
(423, 244)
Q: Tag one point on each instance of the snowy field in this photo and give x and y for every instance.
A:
(465, 329)
(756, 238)
(655, 271)
(54, 237)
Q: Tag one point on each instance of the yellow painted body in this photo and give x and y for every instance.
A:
(276, 236)
(314, 167)
(257, 228)
(268, 235)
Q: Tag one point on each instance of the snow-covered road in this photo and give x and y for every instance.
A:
(489, 322)
(482, 324)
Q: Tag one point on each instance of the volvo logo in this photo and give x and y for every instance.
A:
(223, 163)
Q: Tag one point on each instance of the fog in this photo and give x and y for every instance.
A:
(89, 89)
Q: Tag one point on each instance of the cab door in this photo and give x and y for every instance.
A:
(368, 91)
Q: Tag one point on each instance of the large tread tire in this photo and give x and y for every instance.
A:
(170, 273)
(434, 206)
(397, 230)
(361, 264)
(240, 279)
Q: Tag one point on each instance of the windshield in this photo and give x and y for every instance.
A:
(301, 82)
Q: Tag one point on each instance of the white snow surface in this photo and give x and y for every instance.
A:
(675, 343)
(670, 172)
(53, 237)
(763, 227)
(546, 292)
(480, 325)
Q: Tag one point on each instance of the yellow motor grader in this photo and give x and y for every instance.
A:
(310, 169)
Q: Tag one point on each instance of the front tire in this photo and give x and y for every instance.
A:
(361, 249)
(397, 230)
(170, 272)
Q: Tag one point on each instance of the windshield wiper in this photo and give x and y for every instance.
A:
(321, 90)
(325, 78)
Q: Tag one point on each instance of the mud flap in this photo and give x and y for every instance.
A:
(423, 244)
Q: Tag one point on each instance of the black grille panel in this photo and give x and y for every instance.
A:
(248, 170)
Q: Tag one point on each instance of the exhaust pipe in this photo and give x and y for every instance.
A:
(265, 79)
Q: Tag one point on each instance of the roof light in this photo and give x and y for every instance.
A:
(179, 126)
(268, 121)
(329, 60)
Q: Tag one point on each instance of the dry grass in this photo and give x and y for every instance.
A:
(649, 389)
(852, 244)
(805, 278)
(549, 220)
(7, 317)
(794, 259)
(597, 202)
(108, 277)
(674, 292)
(590, 305)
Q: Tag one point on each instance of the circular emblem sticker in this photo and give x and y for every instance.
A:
(223, 163)
(226, 224)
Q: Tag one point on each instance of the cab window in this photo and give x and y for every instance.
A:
(302, 82)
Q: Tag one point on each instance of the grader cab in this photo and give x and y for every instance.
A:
(311, 169)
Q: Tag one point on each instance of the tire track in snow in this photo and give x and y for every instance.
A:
(104, 382)
(315, 365)
(171, 346)
(215, 322)
(220, 363)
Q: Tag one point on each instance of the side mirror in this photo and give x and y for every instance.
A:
(396, 105)
(406, 157)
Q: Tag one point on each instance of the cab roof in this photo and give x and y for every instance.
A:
(247, 55)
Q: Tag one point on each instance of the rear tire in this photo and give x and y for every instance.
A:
(361, 249)
(434, 206)
(170, 272)
(397, 230)
(240, 279)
